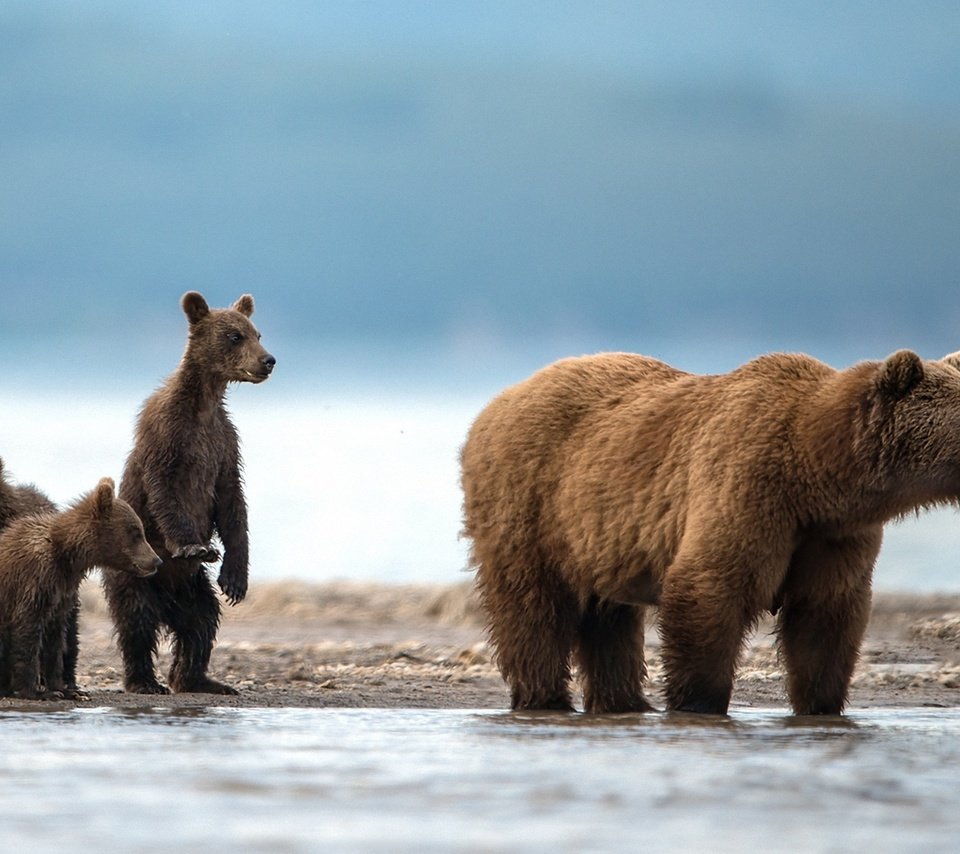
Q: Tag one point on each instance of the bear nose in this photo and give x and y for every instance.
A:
(268, 362)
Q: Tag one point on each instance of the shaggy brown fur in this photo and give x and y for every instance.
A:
(607, 483)
(43, 559)
(20, 499)
(183, 477)
(23, 499)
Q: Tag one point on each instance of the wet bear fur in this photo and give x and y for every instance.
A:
(20, 499)
(43, 558)
(23, 499)
(183, 478)
(607, 483)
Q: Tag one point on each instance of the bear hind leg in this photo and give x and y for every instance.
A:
(532, 626)
(194, 621)
(610, 656)
(134, 609)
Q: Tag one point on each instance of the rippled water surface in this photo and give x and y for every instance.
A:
(410, 780)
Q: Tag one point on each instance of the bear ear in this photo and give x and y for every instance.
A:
(952, 359)
(899, 373)
(103, 497)
(194, 306)
(244, 305)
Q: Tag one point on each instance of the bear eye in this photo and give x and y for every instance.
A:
(235, 337)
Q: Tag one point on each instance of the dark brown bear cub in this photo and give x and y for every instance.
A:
(608, 483)
(23, 499)
(183, 477)
(43, 558)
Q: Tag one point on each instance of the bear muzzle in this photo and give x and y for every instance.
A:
(267, 364)
(147, 565)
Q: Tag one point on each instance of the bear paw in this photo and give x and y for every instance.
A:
(151, 687)
(74, 693)
(234, 586)
(205, 554)
(204, 685)
(34, 694)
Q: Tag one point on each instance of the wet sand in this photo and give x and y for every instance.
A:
(372, 645)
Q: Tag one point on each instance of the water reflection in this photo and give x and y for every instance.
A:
(673, 726)
(421, 780)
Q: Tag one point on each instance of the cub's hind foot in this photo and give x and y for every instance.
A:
(146, 687)
(204, 685)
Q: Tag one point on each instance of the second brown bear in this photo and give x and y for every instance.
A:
(183, 478)
(608, 483)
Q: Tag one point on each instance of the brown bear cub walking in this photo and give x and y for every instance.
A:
(607, 483)
(43, 558)
(183, 477)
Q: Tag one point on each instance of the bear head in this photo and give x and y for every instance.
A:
(118, 538)
(223, 342)
(917, 415)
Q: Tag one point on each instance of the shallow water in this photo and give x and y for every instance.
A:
(412, 780)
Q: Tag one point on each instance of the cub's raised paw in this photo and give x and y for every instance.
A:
(205, 554)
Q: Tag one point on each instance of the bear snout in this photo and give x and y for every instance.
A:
(147, 566)
(257, 369)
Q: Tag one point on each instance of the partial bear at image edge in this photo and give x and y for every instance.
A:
(605, 484)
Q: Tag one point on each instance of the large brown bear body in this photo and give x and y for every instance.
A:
(183, 477)
(43, 558)
(607, 483)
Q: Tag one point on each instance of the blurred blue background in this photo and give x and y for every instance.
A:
(436, 198)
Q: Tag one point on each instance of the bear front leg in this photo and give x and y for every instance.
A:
(182, 533)
(825, 611)
(702, 626)
(230, 518)
(233, 577)
(194, 624)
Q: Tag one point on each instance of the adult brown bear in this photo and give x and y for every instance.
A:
(183, 478)
(607, 483)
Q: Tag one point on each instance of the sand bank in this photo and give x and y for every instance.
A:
(372, 645)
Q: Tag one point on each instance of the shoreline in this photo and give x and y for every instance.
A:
(369, 645)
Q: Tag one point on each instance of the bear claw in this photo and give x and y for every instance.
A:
(205, 554)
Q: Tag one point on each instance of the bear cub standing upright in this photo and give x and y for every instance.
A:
(607, 483)
(183, 477)
(43, 558)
